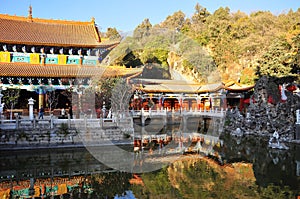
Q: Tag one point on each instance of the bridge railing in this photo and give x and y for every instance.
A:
(183, 112)
(123, 119)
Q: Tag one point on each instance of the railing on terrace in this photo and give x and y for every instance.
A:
(51, 123)
(115, 120)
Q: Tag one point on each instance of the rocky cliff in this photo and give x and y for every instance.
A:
(270, 110)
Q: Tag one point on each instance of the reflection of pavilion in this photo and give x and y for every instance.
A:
(178, 142)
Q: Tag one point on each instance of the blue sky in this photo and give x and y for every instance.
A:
(126, 15)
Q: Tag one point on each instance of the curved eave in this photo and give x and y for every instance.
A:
(76, 45)
(165, 91)
(239, 88)
(167, 88)
(210, 88)
(79, 45)
(61, 71)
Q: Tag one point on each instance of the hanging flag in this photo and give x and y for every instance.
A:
(34, 58)
(5, 57)
(62, 59)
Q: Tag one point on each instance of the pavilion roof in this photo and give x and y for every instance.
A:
(67, 71)
(179, 86)
(36, 31)
(210, 87)
(167, 86)
(235, 86)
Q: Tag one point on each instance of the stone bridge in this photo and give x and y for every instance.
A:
(189, 120)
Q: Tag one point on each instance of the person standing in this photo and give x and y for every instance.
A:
(41, 112)
(63, 113)
(71, 112)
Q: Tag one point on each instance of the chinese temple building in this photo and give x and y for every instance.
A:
(182, 95)
(41, 54)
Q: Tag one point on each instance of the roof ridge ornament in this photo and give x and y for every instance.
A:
(14, 48)
(4, 48)
(24, 49)
(88, 52)
(30, 13)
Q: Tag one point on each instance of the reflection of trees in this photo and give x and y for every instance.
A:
(204, 178)
(157, 185)
(270, 166)
(107, 185)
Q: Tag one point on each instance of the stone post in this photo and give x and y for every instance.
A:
(69, 121)
(85, 122)
(51, 121)
(30, 105)
(143, 117)
(184, 120)
(165, 116)
(1, 105)
(17, 121)
(297, 124)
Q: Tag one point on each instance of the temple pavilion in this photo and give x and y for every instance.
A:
(41, 54)
(38, 55)
(157, 94)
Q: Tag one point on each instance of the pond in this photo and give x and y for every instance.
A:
(231, 168)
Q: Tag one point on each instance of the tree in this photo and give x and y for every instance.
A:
(143, 29)
(11, 97)
(197, 24)
(52, 99)
(112, 34)
(200, 14)
(175, 21)
(273, 62)
(120, 96)
(294, 56)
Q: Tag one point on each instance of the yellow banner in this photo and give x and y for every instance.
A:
(34, 58)
(62, 59)
(5, 57)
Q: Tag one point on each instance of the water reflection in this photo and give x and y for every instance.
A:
(245, 167)
(271, 166)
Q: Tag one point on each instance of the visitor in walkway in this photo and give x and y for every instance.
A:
(63, 112)
(71, 112)
(41, 112)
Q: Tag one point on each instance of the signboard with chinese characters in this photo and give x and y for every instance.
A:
(21, 57)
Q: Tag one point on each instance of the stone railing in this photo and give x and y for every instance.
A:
(52, 122)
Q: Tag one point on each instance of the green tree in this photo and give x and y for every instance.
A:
(11, 97)
(175, 21)
(143, 29)
(294, 57)
(200, 14)
(274, 61)
(197, 25)
(112, 34)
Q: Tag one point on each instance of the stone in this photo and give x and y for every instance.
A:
(263, 116)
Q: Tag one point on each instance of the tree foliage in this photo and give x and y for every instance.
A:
(11, 97)
(143, 29)
(120, 96)
(235, 43)
(274, 61)
(112, 34)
